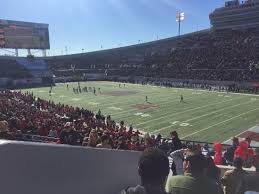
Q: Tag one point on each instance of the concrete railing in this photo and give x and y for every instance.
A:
(36, 168)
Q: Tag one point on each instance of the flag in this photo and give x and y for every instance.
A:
(179, 16)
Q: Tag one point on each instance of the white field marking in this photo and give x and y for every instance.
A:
(204, 115)
(138, 114)
(184, 124)
(197, 93)
(220, 123)
(62, 96)
(138, 99)
(76, 99)
(253, 99)
(207, 91)
(114, 108)
(220, 95)
(226, 96)
(93, 103)
(175, 122)
(40, 91)
(250, 129)
(159, 109)
(200, 107)
(145, 115)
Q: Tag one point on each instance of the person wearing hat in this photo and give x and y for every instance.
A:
(232, 178)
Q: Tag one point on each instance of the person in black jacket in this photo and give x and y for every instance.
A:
(229, 154)
(176, 142)
(69, 136)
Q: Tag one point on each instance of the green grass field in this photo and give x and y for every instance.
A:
(204, 115)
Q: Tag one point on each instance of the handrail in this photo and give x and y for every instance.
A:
(38, 138)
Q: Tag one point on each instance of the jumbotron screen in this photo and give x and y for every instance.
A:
(23, 35)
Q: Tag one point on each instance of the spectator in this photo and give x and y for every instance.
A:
(229, 154)
(232, 178)
(212, 170)
(250, 182)
(53, 133)
(4, 132)
(153, 169)
(158, 139)
(242, 151)
(245, 153)
(177, 164)
(176, 142)
(122, 144)
(194, 180)
(256, 159)
(248, 140)
(218, 153)
(93, 138)
(104, 142)
(69, 135)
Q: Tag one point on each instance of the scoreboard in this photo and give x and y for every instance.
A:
(23, 35)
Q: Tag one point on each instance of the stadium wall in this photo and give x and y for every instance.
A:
(29, 168)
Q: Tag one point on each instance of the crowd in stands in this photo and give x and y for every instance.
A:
(193, 167)
(25, 114)
(10, 68)
(229, 55)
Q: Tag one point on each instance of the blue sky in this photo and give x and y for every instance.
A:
(90, 24)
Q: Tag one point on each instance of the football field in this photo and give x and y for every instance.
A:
(203, 115)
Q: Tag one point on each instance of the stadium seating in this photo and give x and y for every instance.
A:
(37, 67)
(10, 68)
(208, 55)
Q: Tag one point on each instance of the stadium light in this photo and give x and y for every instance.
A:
(179, 19)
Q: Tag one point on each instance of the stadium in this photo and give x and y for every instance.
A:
(202, 86)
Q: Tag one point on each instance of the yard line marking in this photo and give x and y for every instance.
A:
(187, 111)
(204, 115)
(165, 102)
(239, 134)
(207, 91)
(137, 99)
(220, 123)
(76, 99)
(114, 108)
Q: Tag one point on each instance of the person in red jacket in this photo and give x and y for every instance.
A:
(218, 154)
(244, 153)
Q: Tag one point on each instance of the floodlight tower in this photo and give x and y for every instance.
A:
(179, 19)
